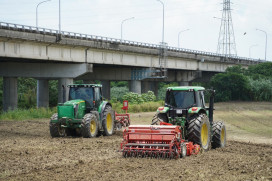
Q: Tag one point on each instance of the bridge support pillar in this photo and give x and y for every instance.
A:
(63, 82)
(145, 86)
(88, 81)
(150, 86)
(184, 83)
(135, 86)
(106, 89)
(42, 93)
(10, 94)
(154, 88)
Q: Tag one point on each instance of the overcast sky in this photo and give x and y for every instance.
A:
(104, 17)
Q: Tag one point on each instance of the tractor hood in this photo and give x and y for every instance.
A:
(71, 102)
(72, 109)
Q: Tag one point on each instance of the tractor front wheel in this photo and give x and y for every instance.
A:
(89, 126)
(55, 129)
(159, 117)
(199, 131)
(219, 135)
(108, 121)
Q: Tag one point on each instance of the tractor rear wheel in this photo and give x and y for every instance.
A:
(159, 117)
(108, 121)
(89, 126)
(199, 131)
(55, 129)
(219, 135)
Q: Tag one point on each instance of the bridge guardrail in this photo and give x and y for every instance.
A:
(41, 30)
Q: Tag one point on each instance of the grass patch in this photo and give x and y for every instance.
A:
(253, 117)
(25, 114)
(40, 113)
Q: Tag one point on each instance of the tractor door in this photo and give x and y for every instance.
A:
(97, 97)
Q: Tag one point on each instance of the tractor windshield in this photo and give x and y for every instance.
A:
(180, 99)
(85, 93)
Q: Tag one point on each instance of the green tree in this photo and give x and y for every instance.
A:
(118, 92)
(261, 90)
(262, 70)
(236, 69)
(230, 86)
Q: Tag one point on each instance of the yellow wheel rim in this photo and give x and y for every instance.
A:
(222, 136)
(109, 122)
(93, 127)
(204, 134)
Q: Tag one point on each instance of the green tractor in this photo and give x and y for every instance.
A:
(84, 114)
(185, 106)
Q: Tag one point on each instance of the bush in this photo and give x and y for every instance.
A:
(230, 86)
(133, 108)
(117, 93)
(133, 98)
(136, 98)
(261, 90)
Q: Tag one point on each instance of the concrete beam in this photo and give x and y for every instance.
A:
(44, 70)
(63, 83)
(42, 93)
(10, 94)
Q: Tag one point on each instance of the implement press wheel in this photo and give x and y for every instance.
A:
(183, 152)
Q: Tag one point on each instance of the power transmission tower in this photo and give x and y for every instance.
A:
(226, 41)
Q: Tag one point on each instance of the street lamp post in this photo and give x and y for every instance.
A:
(162, 20)
(37, 11)
(249, 51)
(122, 26)
(179, 35)
(265, 41)
(59, 19)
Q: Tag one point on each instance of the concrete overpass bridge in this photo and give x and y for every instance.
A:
(47, 54)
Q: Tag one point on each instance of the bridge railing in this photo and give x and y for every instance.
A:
(40, 30)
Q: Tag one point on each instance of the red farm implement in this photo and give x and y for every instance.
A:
(122, 120)
(156, 141)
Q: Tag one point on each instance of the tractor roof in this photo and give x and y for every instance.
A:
(84, 85)
(186, 88)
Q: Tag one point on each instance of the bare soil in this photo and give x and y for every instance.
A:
(27, 152)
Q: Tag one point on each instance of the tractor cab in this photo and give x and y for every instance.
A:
(90, 93)
(181, 100)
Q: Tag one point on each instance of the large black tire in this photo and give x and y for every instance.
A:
(89, 126)
(219, 135)
(159, 117)
(55, 129)
(199, 131)
(108, 121)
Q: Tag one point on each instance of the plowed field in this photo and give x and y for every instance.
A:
(27, 152)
